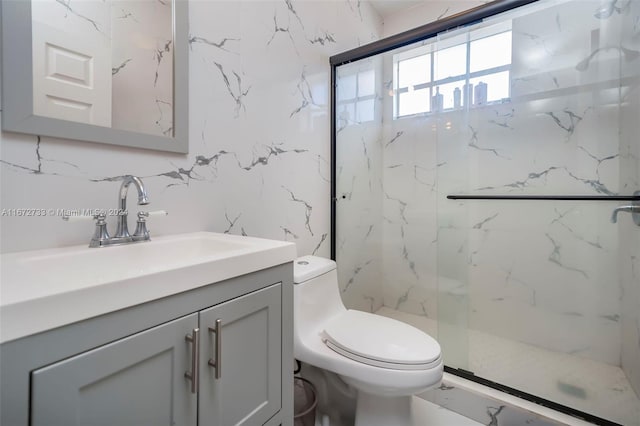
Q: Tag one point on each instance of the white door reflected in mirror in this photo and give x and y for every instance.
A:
(71, 76)
(104, 62)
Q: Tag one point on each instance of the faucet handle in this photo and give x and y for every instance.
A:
(142, 233)
(100, 235)
(153, 213)
(81, 218)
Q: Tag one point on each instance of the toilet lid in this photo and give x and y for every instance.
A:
(380, 341)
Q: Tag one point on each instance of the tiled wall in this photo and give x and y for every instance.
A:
(142, 68)
(381, 255)
(421, 13)
(259, 151)
(629, 240)
(359, 182)
(544, 273)
(552, 268)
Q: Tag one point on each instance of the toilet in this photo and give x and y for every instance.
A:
(385, 360)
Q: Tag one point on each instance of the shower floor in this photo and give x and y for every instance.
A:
(580, 383)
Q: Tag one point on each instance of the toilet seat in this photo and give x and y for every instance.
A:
(380, 341)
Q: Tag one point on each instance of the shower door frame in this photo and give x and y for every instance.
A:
(405, 38)
(421, 33)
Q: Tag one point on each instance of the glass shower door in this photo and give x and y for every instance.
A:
(476, 177)
(542, 294)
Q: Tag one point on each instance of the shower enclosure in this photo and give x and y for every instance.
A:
(478, 162)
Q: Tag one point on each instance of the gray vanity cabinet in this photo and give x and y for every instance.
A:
(138, 380)
(127, 368)
(247, 389)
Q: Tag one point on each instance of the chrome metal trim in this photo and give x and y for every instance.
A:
(633, 208)
(217, 363)
(122, 230)
(194, 339)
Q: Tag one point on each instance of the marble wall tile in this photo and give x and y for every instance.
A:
(425, 12)
(628, 233)
(75, 17)
(142, 66)
(543, 273)
(259, 152)
(546, 141)
(410, 218)
(359, 191)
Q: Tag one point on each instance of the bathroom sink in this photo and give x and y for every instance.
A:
(44, 289)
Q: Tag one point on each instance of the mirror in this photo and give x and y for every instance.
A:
(110, 71)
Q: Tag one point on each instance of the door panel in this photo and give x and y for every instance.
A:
(248, 390)
(138, 380)
(71, 76)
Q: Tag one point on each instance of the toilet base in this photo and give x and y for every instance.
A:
(375, 410)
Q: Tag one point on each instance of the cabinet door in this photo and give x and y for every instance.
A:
(137, 381)
(248, 389)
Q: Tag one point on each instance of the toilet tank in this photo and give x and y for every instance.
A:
(307, 268)
(316, 295)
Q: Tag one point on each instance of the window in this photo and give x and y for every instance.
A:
(469, 73)
(356, 95)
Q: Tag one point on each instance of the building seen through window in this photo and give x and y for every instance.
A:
(468, 72)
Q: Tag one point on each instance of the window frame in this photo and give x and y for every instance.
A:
(357, 99)
(432, 84)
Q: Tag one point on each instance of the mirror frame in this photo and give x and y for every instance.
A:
(17, 87)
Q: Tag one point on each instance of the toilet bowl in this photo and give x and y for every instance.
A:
(387, 361)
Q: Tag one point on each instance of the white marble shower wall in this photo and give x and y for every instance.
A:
(359, 220)
(259, 150)
(385, 259)
(410, 216)
(544, 273)
(628, 233)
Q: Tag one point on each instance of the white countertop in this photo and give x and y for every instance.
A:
(44, 289)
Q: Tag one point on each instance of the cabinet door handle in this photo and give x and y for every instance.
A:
(194, 339)
(217, 363)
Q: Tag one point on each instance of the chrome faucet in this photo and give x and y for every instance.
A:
(634, 209)
(122, 231)
(101, 237)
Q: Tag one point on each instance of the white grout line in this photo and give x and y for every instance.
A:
(511, 400)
